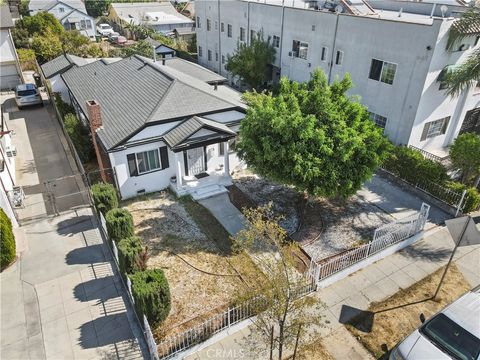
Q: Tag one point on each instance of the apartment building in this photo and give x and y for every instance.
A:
(395, 52)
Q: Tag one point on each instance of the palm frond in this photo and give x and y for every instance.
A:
(465, 76)
(462, 27)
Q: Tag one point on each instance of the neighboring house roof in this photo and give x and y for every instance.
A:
(185, 30)
(77, 11)
(45, 5)
(152, 13)
(64, 62)
(136, 91)
(194, 70)
(164, 49)
(152, 42)
(180, 135)
(6, 21)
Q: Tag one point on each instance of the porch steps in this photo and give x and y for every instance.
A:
(208, 191)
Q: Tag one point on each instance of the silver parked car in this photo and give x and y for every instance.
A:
(27, 95)
(453, 333)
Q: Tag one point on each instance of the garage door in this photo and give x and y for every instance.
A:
(9, 77)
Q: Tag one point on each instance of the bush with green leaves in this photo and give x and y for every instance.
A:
(7, 241)
(104, 197)
(128, 250)
(151, 293)
(119, 224)
(411, 166)
(472, 196)
(80, 136)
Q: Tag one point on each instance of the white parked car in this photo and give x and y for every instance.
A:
(27, 95)
(453, 333)
(104, 29)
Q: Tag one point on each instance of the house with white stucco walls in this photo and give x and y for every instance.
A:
(159, 124)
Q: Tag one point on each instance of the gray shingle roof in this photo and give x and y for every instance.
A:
(195, 70)
(6, 21)
(62, 63)
(134, 91)
(55, 66)
(183, 131)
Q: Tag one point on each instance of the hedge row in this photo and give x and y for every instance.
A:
(410, 165)
(7, 241)
(150, 288)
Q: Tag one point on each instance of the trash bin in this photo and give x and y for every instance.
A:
(38, 79)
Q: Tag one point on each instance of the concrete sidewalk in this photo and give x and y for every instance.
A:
(373, 283)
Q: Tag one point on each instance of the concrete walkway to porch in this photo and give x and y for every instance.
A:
(226, 213)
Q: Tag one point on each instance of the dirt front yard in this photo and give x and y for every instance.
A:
(203, 275)
(321, 226)
(396, 317)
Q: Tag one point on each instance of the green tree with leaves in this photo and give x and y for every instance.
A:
(312, 135)
(465, 156)
(47, 46)
(40, 23)
(74, 42)
(282, 315)
(467, 74)
(97, 8)
(251, 62)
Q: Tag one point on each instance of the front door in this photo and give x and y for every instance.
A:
(196, 161)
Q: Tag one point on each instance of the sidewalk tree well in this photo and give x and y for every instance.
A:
(7, 241)
(119, 224)
(279, 307)
(151, 293)
(465, 156)
(104, 197)
(313, 136)
(251, 62)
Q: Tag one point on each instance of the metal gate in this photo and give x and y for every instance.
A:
(66, 193)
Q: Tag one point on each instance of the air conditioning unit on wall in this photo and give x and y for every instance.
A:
(11, 151)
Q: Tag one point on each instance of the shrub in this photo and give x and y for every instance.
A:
(151, 293)
(128, 249)
(80, 136)
(7, 241)
(119, 224)
(411, 166)
(63, 107)
(104, 197)
(472, 197)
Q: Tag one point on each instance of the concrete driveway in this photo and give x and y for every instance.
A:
(397, 202)
(62, 299)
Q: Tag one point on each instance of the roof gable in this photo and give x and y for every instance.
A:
(6, 21)
(192, 129)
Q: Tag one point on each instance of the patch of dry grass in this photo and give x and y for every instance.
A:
(314, 351)
(193, 251)
(396, 317)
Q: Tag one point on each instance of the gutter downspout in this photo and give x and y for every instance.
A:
(281, 38)
(219, 27)
(333, 50)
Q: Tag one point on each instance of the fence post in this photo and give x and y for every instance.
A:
(459, 206)
(228, 316)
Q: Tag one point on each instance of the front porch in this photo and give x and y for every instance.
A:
(211, 183)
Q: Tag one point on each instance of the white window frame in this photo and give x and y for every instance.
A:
(209, 55)
(199, 24)
(379, 120)
(229, 30)
(302, 50)
(209, 25)
(200, 51)
(381, 78)
(222, 27)
(276, 41)
(436, 127)
(242, 34)
(324, 53)
(339, 57)
(157, 150)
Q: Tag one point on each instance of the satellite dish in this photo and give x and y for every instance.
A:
(443, 9)
(339, 9)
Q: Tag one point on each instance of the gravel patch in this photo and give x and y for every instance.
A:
(345, 224)
(285, 200)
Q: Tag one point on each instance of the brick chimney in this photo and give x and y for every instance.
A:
(95, 118)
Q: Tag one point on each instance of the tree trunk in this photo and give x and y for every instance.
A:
(280, 341)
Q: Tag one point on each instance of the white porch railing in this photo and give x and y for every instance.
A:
(384, 237)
